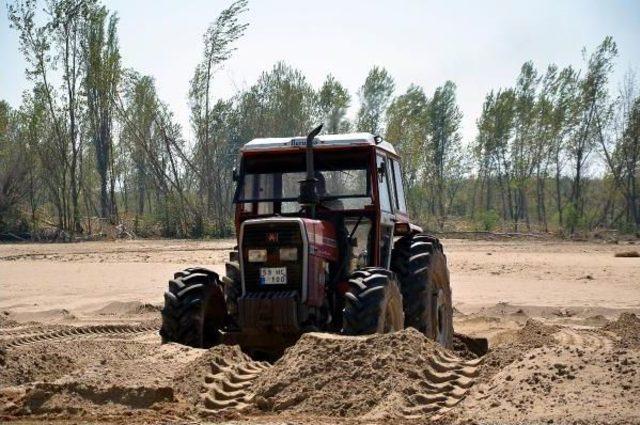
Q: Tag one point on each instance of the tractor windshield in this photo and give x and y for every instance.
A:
(343, 180)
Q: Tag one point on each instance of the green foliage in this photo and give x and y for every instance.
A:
(11, 173)
(445, 166)
(102, 76)
(407, 121)
(550, 125)
(333, 102)
(592, 99)
(286, 102)
(573, 219)
(426, 133)
(375, 96)
(487, 221)
(94, 140)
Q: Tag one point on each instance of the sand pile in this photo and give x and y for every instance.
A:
(95, 379)
(86, 376)
(46, 364)
(580, 379)
(511, 346)
(119, 308)
(392, 375)
(627, 327)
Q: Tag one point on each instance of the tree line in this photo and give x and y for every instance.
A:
(93, 147)
(559, 149)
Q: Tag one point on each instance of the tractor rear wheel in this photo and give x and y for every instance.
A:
(421, 266)
(373, 303)
(194, 309)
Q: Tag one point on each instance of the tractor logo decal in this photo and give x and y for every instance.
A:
(272, 237)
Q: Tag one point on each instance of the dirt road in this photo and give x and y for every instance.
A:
(78, 340)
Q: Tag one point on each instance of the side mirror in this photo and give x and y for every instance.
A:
(235, 174)
(382, 169)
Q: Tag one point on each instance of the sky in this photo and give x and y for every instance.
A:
(480, 45)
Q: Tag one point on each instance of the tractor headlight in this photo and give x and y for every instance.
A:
(257, 255)
(288, 254)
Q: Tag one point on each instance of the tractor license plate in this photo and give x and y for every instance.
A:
(273, 276)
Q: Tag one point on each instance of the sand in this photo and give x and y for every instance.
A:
(79, 342)
(558, 375)
(394, 376)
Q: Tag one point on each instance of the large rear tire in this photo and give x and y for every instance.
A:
(373, 303)
(194, 309)
(421, 266)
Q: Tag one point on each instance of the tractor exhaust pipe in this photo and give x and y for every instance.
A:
(308, 187)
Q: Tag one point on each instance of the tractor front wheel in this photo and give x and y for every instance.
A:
(194, 309)
(373, 303)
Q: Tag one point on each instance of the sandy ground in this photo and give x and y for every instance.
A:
(78, 341)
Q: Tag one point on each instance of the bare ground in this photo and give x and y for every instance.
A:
(78, 341)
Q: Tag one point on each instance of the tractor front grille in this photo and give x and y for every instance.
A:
(272, 235)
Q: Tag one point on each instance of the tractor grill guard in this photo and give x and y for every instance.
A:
(269, 311)
(272, 235)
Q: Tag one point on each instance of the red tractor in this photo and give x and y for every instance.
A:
(324, 244)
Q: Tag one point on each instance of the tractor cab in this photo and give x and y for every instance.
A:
(358, 185)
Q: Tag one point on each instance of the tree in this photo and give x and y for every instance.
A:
(628, 154)
(525, 147)
(407, 119)
(102, 75)
(13, 168)
(495, 130)
(281, 102)
(138, 117)
(593, 96)
(333, 102)
(562, 93)
(375, 95)
(218, 47)
(444, 148)
(620, 144)
(57, 44)
(154, 143)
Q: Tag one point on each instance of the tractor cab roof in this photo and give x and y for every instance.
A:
(321, 141)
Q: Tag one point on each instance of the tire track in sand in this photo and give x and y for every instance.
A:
(447, 380)
(228, 385)
(28, 329)
(77, 332)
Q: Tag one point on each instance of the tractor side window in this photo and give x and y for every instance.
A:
(359, 248)
(391, 183)
(400, 202)
(383, 186)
